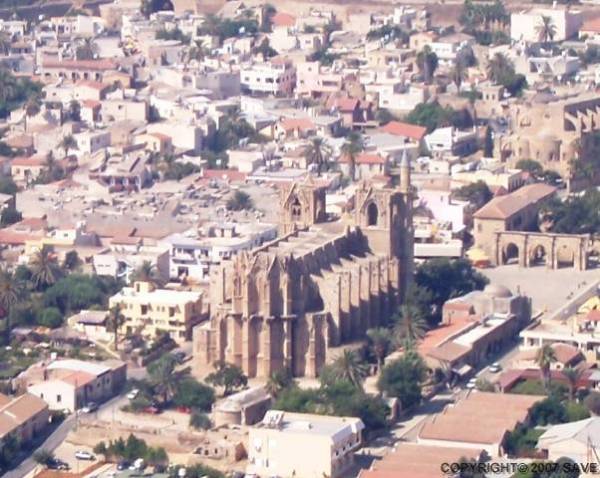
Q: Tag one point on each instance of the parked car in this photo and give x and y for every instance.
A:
(152, 410)
(495, 367)
(471, 384)
(90, 407)
(84, 455)
(133, 394)
(56, 464)
(123, 465)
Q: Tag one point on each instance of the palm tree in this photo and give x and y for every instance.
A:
(115, 321)
(68, 142)
(544, 359)
(572, 375)
(350, 367)
(411, 325)
(32, 107)
(146, 273)
(4, 43)
(427, 61)
(279, 381)
(162, 374)
(317, 153)
(546, 30)
(10, 292)
(45, 270)
(353, 146)
(497, 66)
(380, 339)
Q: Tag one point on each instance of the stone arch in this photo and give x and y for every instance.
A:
(539, 255)
(372, 214)
(565, 256)
(510, 253)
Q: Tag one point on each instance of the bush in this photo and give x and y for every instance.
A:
(522, 440)
(592, 403)
(403, 379)
(192, 394)
(51, 318)
(548, 411)
(576, 411)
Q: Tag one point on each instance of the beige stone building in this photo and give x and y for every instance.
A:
(321, 284)
(303, 445)
(148, 310)
(550, 130)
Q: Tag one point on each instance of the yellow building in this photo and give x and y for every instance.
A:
(148, 310)
(303, 445)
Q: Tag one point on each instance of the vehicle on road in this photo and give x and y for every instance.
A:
(133, 394)
(123, 465)
(90, 407)
(495, 367)
(56, 464)
(471, 384)
(84, 455)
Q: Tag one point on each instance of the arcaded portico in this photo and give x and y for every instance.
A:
(530, 249)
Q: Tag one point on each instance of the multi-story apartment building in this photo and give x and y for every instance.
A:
(330, 442)
(148, 310)
(275, 77)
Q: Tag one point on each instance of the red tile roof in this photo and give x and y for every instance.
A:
(591, 25)
(302, 124)
(364, 158)
(281, 19)
(28, 161)
(100, 65)
(407, 130)
(503, 207)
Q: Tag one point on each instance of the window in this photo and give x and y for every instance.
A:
(372, 214)
(58, 398)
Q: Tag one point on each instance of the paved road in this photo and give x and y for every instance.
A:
(51, 443)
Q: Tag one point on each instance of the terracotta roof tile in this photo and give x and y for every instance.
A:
(407, 130)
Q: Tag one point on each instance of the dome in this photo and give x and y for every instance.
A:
(497, 291)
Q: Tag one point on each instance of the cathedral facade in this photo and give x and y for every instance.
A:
(321, 284)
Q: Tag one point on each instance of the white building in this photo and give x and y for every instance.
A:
(327, 445)
(524, 25)
(276, 77)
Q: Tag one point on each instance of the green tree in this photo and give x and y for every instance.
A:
(403, 379)
(11, 291)
(51, 317)
(74, 111)
(349, 366)
(488, 143)
(67, 143)
(544, 359)
(43, 457)
(240, 201)
(228, 376)
(592, 403)
(146, 272)
(32, 107)
(8, 186)
(352, 147)
(546, 30)
(44, 268)
(10, 215)
(529, 165)
(200, 420)
(478, 194)
(318, 152)
(195, 395)
(71, 261)
(163, 376)
(114, 321)
(410, 325)
(380, 341)
(427, 62)
(573, 376)
(446, 279)
(278, 381)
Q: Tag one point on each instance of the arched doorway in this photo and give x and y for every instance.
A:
(372, 214)
(565, 257)
(510, 254)
(538, 256)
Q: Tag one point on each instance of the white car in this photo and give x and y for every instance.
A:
(495, 367)
(134, 393)
(471, 384)
(90, 408)
(84, 455)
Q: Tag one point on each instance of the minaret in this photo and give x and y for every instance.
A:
(404, 172)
